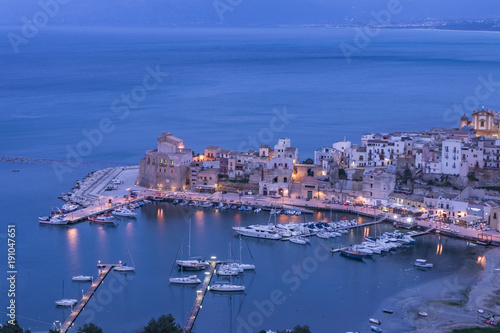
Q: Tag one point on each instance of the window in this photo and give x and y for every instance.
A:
(482, 123)
(171, 163)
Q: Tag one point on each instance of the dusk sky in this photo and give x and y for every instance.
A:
(242, 12)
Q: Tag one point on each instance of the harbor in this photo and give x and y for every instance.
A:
(162, 220)
(96, 195)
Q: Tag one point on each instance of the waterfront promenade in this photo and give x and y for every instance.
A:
(127, 177)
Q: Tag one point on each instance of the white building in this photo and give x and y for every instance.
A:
(451, 157)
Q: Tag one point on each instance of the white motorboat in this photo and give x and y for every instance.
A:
(191, 279)
(257, 210)
(57, 219)
(124, 212)
(183, 203)
(258, 231)
(423, 263)
(422, 314)
(226, 287)
(323, 234)
(299, 240)
(66, 302)
(82, 278)
(375, 321)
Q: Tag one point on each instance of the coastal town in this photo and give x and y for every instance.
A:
(447, 175)
(445, 181)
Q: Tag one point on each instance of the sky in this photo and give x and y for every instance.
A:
(239, 12)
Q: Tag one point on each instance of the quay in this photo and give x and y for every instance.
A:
(200, 295)
(105, 269)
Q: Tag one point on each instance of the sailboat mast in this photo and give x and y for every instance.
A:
(240, 251)
(189, 241)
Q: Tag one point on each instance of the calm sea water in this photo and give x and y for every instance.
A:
(222, 87)
(312, 287)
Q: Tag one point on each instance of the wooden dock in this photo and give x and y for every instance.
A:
(200, 294)
(105, 269)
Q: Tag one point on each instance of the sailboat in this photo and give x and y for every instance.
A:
(224, 287)
(191, 279)
(123, 267)
(66, 301)
(193, 264)
(241, 264)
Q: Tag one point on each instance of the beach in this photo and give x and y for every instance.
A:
(451, 302)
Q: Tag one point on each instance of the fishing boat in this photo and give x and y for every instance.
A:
(376, 329)
(124, 212)
(194, 264)
(123, 267)
(66, 301)
(102, 219)
(375, 321)
(492, 322)
(351, 253)
(388, 311)
(82, 278)
(423, 263)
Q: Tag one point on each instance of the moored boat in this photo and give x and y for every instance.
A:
(82, 278)
(191, 279)
(423, 263)
(124, 212)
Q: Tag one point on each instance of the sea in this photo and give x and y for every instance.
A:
(102, 96)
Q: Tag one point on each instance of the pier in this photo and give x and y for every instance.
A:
(200, 295)
(106, 268)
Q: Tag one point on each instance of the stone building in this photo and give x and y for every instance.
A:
(484, 122)
(167, 166)
(377, 185)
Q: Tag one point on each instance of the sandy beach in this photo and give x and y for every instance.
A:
(451, 303)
